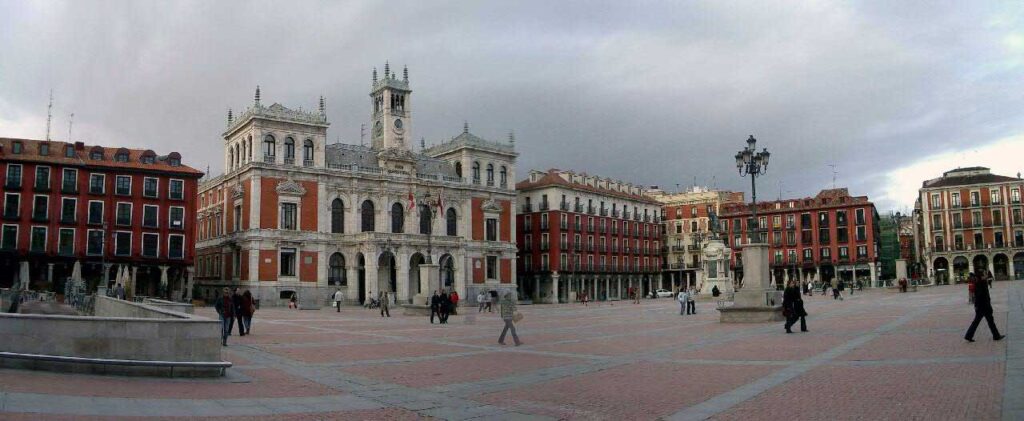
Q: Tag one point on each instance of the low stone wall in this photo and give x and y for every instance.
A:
(120, 330)
(186, 308)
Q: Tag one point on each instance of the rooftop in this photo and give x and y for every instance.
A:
(966, 177)
(30, 152)
(555, 177)
(826, 198)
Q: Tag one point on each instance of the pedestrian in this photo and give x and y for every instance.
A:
(793, 307)
(482, 300)
(715, 291)
(492, 300)
(682, 301)
(225, 309)
(824, 287)
(454, 296)
(509, 316)
(982, 309)
(435, 306)
(988, 277)
(583, 297)
(835, 289)
(691, 304)
(369, 300)
(293, 302)
(636, 296)
(338, 296)
(119, 291)
(445, 307)
(236, 299)
(248, 309)
(971, 286)
(384, 304)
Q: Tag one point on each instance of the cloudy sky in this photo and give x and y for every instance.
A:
(891, 93)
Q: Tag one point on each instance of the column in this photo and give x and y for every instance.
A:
(49, 273)
(404, 292)
(607, 292)
(186, 294)
(553, 299)
(131, 292)
(619, 288)
(874, 277)
(352, 278)
(23, 275)
(535, 295)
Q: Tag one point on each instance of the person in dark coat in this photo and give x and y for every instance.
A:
(248, 309)
(236, 299)
(444, 307)
(982, 309)
(225, 309)
(435, 307)
(793, 307)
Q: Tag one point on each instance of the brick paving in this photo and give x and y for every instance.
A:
(876, 355)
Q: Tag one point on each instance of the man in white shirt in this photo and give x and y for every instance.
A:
(683, 298)
(338, 296)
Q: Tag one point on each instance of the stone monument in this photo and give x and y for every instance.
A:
(757, 301)
(716, 267)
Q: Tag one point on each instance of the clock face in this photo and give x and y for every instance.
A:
(398, 124)
(378, 129)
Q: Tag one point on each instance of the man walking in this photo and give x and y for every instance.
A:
(384, 304)
(435, 306)
(682, 301)
(793, 307)
(444, 307)
(225, 309)
(338, 296)
(982, 309)
(482, 300)
(236, 299)
(508, 312)
(691, 305)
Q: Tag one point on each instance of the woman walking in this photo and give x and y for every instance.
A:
(982, 310)
(793, 307)
(508, 314)
(248, 309)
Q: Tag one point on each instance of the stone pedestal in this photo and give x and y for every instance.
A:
(757, 301)
(715, 270)
(430, 281)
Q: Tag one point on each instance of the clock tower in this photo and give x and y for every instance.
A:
(391, 121)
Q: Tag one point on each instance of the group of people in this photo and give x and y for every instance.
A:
(484, 299)
(687, 302)
(231, 307)
(443, 304)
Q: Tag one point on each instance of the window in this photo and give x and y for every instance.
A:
(823, 219)
(336, 274)
(337, 216)
(426, 218)
(69, 181)
(860, 217)
(844, 252)
(150, 187)
(492, 267)
(9, 240)
(16, 147)
(289, 150)
(289, 216)
(843, 235)
(1014, 195)
(174, 160)
(975, 198)
(66, 242)
(955, 199)
(307, 152)
(862, 251)
(238, 218)
(122, 243)
(40, 208)
(150, 216)
(840, 218)
(287, 262)
(476, 172)
(490, 174)
(37, 243)
(269, 148)
(367, 214)
(452, 222)
(936, 202)
(68, 209)
(790, 221)
(123, 214)
(96, 155)
(123, 185)
(492, 229)
(808, 255)
(13, 175)
(177, 190)
(939, 243)
(176, 246)
(997, 217)
(96, 183)
(504, 176)
(823, 236)
(397, 218)
(996, 197)
(148, 158)
(44, 149)
(121, 156)
(150, 244)
(94, 245)
(43, 178)
(862, 233)
(95, 212)
(826, 253)
(12, 205)
(777, 221)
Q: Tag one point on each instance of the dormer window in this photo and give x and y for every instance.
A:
(69, 151)
(44, 149)
(121, 156)
(16, 147)
(174, 159)
(148, 157)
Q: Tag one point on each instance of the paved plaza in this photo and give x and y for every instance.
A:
(876, 355)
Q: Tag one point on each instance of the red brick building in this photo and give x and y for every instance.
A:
(815, 238)
(98, 207)
(586, 233)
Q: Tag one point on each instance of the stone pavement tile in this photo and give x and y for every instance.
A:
(903, 344)
(310, 338)
(643, 390)
(778, 346)
(958, 321)
(363, 352)
(459, 369)
(919, 392)
(266, 383)
(621, 345)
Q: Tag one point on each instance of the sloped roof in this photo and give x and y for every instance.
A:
(551, 178)
(967, 180)
(30, 153)
(344, 155)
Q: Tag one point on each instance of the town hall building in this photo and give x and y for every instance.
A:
(293, 214)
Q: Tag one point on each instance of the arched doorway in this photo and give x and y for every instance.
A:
(941, 266)
(960, 269)
(1001, 264)
(415, 261)
(827, 272)
(447, 266)
(1018, 266)
(387, 279)
(361, 274)
(980, 263)
(336, 270)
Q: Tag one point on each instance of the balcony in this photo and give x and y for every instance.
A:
(40, 217)
(577, 227)
(42, 187)
(544, 226)
(601, 229)
(289, 161)
(270, 159)
(589, 248)
(563, 245)
(307, 162)
(591, 210)
(527, 227)
(564, 206)
(527, 208)
(625, 215)
(544, 206)
(615, 230)
(545, 246)
(615, 249)
(563, 225)
(603, 212)
(602, 248)
(679, 248)
(13, 184)
(615, 213)
(527, 247)
(578, 208)
(590, 228)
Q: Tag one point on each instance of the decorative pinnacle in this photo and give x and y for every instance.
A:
(405, 74)
(323, 106)
(511, 137)
(465, 127)
(423, 143)
(257, 97)
(375, 75)
(231, 117)
(387, 70)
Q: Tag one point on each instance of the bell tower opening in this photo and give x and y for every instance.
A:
(391, 121)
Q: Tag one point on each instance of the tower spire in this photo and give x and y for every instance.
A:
(49, 115)
(375, 75)
(257, 97)
(231, 117)
(511, 137)
(423, 143)
(465, 126)
(387, 70)
(323, 106)
(405, 74)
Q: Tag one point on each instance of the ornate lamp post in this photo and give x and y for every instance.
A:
(428, 204)
(751, 162)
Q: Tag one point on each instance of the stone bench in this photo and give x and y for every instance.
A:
(220, 365)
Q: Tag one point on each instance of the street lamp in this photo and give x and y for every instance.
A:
(428, 206)
(751, 162)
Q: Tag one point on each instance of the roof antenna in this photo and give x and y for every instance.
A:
(71, 122)
(833, 174)
(49, 115)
